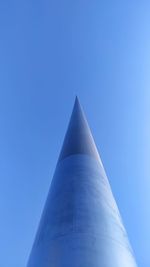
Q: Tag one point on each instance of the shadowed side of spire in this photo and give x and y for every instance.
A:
(78, 139)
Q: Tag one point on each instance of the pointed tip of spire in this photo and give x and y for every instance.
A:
(76, 98)
(78, 139)
(77, 105)
(77, 102)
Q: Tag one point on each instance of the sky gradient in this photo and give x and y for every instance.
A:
(49, 52)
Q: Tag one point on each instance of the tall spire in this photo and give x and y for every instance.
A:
(80, 225)
(78, 139)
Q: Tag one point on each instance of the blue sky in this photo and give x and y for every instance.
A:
(49, 52)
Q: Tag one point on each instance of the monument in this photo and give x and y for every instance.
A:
(81, 225)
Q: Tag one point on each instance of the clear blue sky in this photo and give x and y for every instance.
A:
(49, 52)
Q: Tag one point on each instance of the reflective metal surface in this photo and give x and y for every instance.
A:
(80, 225)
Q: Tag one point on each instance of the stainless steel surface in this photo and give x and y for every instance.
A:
(80, 225)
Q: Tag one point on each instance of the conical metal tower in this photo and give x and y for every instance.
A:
(80, 225)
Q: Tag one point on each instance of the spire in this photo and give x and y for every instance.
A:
(81, 224)
(78, 139)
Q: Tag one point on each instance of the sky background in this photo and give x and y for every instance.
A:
(49, 52)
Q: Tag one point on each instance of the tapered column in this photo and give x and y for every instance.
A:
(80, 225)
